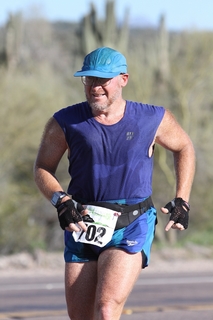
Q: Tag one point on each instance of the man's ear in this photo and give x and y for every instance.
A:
(124, 79)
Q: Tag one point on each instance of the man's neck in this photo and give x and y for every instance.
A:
(112, 114)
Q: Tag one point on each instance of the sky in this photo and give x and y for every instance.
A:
(180, 15)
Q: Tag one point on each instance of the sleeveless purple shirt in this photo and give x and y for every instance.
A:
(108, 162)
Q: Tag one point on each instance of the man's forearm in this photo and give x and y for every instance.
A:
(185, 169)
(46, 182)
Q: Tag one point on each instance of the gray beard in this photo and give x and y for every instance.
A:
(97, 106)
(101, 107)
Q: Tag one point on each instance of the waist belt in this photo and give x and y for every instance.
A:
(128, 212)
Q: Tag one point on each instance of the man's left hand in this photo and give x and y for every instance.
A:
(179, 210)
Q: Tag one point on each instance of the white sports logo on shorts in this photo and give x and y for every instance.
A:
(131, 243)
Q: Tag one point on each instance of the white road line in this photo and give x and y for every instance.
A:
(181, 280)
(31, 286)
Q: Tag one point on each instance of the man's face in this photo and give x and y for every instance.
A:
(102, 92)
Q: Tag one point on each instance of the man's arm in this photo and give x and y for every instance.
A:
(171, 136)
(53, 146)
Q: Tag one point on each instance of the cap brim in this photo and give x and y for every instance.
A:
(95, 73)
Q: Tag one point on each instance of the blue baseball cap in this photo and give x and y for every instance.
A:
(103, 62)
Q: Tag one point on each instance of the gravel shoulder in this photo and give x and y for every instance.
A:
(189, 259)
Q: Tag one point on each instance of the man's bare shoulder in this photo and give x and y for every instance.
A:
(170, 134)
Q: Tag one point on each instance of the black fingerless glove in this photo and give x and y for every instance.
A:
(179, 210)
(87, 218)
(69, 213)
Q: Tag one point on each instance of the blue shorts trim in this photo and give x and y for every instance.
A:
(136, 237)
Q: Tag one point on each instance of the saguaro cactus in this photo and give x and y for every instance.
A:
(13, 40)
(163, 69)
(96, 33)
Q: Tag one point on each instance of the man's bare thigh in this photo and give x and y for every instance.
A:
(117, 274)
(80, 287)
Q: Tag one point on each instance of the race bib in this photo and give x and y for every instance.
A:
(100, 231)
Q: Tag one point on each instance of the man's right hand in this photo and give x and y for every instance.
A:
(69, 214)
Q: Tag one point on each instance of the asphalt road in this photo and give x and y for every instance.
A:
(154, 297)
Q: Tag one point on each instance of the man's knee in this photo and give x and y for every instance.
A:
(108, 309)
